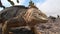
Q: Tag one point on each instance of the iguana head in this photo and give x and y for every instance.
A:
(33, 14)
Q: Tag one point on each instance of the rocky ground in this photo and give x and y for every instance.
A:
(51, 27)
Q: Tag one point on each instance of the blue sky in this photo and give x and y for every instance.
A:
(22, 2)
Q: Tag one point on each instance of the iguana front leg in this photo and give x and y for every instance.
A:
(5, 29)
(35, 30)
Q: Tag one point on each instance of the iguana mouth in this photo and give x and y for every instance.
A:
(40, 18)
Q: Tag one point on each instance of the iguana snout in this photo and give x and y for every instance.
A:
(35, 14)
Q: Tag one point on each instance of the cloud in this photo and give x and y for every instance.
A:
(50, 7)
(5, 3)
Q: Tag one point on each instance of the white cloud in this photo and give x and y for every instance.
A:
(5, 3)
(50, 7)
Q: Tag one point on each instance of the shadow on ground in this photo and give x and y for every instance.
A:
(21, 31)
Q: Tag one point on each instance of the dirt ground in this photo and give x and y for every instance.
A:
(51, 27)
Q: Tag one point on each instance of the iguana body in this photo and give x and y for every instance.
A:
(17, 16)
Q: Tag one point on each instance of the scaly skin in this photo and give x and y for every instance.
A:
(16, 17)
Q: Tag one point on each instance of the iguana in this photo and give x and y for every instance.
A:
(16, 16)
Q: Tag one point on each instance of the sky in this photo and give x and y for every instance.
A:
(49, 7)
